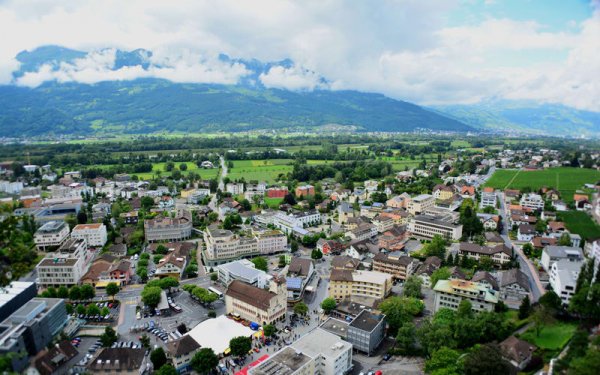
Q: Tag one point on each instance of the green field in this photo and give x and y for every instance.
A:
(581, 223)
(566, 180)
(260, 170)
(553, 337)
(191, 167)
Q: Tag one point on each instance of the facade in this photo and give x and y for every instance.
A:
(304, 190)
(449, 294)
(172, 265)
(400, 267)
(518, 352)
(348, 284)
(181, 352)
(51, 235)
(563, 276)
(299, 273)
(15, 295)
(514, 286)
(94, 234)
(222, 246)
(420, 204)
(488, 199)
(366, 331)
(428, 226)
(256, 304)
(235, 188)
(552, 254)
(169, 229)
(427, 268)
(533, 201)
(442, 192)
(66, 266)
(526, 232)
(243, 270)
(362, 232)
(499, 254)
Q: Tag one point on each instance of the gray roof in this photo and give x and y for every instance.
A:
(563, 251)
(515, 275)
(239, 269)
(366, 321)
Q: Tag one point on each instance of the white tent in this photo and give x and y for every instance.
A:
(216, 333)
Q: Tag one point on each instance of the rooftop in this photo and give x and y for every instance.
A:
(215, 333)
(88, 226)
(366, 321)
(250, 294)
(473, 289)
(336, 326)
(284, 362)
(12, 290)
(52, 227)
(320, 342)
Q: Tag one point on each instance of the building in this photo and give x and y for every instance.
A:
(563, 276)
(51, 235)
(334, 247)
(31, 328)
(245, 271)
(489, 221)
(66, 266)
(277, 192)
(362, 232)
(304, 191)
(171, 265)
(488, 199)
(15, 295)
(343, 262)
(49, 362)
(216, 333)
(426, 269)
(129, 217)
(552, 254)
(94, 234)
(181, 352)
(366, 331)
(526, 232)
(223, 246)
(533, 201)
(518, 352)
(514, 286)
(115, 361)
(169, 229)
(442, 192)
(420, 204)
(235, 188)
(400, 267)
(351, 284)
(449, 294)
(106, 269)
(499, 254)
(317, 352)
(428, 226)
(256, 304)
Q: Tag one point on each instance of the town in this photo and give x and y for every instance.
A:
(363, 255)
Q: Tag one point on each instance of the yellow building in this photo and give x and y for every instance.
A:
(347, 284)
(256, 304)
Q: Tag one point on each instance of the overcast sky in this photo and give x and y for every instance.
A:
(428, 52)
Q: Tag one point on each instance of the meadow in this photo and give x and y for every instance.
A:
(260, 170)
(161, 168)
(581, 223)
(566, 180)
(552, 337)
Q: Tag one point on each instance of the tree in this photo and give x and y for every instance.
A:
(105, 311)
(300, 308)
(528, 249)
(465, 309)
(294, 246)
(87, 292)
(400, 310)
(145, 341)
(269, 330)
(214, 276)
(406, 338)
(316, 254)
(440, 274)
(412, 287)
(92, 310)
(74, 293)
(168, 282)
(112, 289)
(161, 249)
(525, 308)
(289, 199)
(246, 205)
(191, 270)
(328, 305)
(240, 346)
(281, 261)
(158, 358)
(63, 292)
(485, 360)
(147, 203)
(486, 263)
(204, 361)
(166, 370)
(437, 247)
(551, 301)
(108, 337)
(81, 217)
(260, 263)
(541, 317)
(443, 359)
(587, 365)
(151, 295)
(183, 167)
(565, 240)
(80, 309)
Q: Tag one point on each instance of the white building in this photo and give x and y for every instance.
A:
(488, 199)
(51, 235)
(66, 266)
(428, 226)
(449, 294)
(288, 222)
(420, 204)
(235, 188)
(222, 246)
(94, 234)
(243, 270)
(563, 278)
(533, 201)
(11, 187)
(552, 254)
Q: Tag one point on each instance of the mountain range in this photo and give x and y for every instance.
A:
(153, 105)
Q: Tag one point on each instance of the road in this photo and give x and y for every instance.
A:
(537, 289)
(221, 186)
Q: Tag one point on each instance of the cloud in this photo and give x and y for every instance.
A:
(406, 49)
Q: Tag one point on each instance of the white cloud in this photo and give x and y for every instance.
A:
(400, 48)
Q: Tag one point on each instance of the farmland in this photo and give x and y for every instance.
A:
(260, 170)
(161, 168)
(581, 223)
(566, 180)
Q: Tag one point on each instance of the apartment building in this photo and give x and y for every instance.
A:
(288, 223)
(169, 229)
(449, 294)
(362, 232)
(563, 278)
(181, 352)
(488, 199)
(420, 204)
(370, 284)
(383, 223)
(66, 266)
(552, 254)
(243, 270)
(51, 235)
(533, 201)
(256, 304)
(94, 234)
(428, 226)
(500, 254)
(222, 246)
(400, 267)
(304, 190)
(442, 192)
(235, 188)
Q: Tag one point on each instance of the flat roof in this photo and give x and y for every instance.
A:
(456, 286)
(12, 290)
(366, 321)
(336, 326)
(320, 342)
(215, 333)
(242, 268)
(284, 362)
(371, 277)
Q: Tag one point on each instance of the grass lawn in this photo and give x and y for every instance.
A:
(260, 170)
(191, 167)
(566, 180)
(581, 223)
(551, 337)
(273, 202)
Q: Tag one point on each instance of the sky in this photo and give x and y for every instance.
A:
(423, 51)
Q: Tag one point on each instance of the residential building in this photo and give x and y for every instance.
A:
(489, 221)
(400, 267)
(362, 232)
(256, 304)
(383, 223)
(299, 274)
(129, 217)
(304, 191)
(348, 284)
(94, 234)
(428, 226)
(488, 199)
(171, 265)
(343, 262)
(486, 278)
(277, 192)
(222, 246)
(330, 246)
(526, 232)
(66, 266)
(420, 204)
(181, 352)
(106, 269)
(552, 254)
(235, 188)
(30, 328)
(499, 254)
(518, 352)
(115, 361)
(427, 268)
(449, 294)
(51, 235)
(514, 286)
(366, 331)
(533, 201)
(49, 362)
(169, 229)
(442, 192)
(563, 276)
(245, 271)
